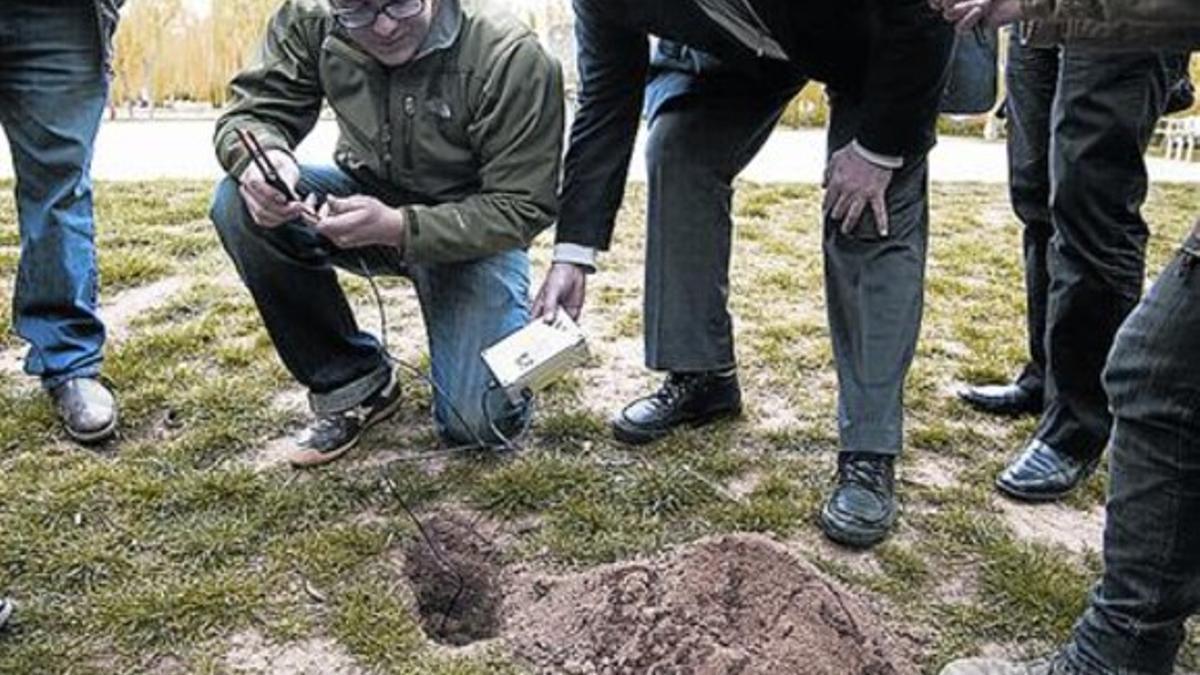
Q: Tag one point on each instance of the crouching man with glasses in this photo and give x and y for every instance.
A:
(450, 133)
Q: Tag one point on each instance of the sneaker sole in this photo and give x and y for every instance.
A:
(632, 436)
(304, 460)
(6, 611)
(89, 437)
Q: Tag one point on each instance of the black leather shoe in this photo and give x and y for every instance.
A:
(1003, 399)
(685, 399)
(862, 508)
(1041, 474)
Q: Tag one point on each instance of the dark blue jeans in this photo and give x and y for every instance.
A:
(1151, 581)
(52, 93)
(466, 307)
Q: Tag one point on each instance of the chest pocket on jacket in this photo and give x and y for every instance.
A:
(353, 85)
(441, 140)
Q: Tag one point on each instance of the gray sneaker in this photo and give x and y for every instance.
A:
(6, 610)
(331, 436)
(87, 409)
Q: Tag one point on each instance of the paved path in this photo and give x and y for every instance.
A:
(142, 150)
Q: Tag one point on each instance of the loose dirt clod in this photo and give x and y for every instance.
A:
(453, 576)
(732, 604)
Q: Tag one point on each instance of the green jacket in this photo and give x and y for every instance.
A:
(466, 137)
(1165, 24)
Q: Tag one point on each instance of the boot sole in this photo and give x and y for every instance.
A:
(98, 436)
(1034, 497)
(634, 436)
(304, 460)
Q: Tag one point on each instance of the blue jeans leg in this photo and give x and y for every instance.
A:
(52, 94)
(290, 274)
(467, 307)
(1151, 581)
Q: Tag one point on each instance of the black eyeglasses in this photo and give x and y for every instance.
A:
(363, 14)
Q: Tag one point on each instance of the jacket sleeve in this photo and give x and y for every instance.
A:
(278, 96)
(613, 62)
(1165, 13)
(516, 132)
(906, 72)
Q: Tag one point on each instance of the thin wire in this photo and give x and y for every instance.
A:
(446, 565)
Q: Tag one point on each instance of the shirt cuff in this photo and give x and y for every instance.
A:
(885, 161)
(576, 254)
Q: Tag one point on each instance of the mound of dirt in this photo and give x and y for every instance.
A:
(732, 604)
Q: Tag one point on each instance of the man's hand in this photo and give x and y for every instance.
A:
(565, 287)
(853, 184)
(266, 205)
(966, 14)
(358, 220)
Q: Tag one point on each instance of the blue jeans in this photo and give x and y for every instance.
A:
(1151, 581)
(466, 307)
(52, 93)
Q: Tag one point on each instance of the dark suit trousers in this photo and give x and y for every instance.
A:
(1102, 116)
(698, 144)
(1031, 78)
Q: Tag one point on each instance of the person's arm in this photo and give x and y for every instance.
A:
(613, 61)
(517, 135)
(905, 79)
(278, 96)
(1166, 13)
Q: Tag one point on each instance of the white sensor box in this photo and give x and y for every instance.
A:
(536, 355)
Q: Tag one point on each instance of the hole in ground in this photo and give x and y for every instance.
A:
(454, 575)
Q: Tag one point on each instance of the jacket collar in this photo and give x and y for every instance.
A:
(444, 29)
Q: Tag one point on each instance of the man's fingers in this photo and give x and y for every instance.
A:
(258, 214)
(831, 194)
(265, 193)
(574, 305)
(879, 208)
(544, 305)
(853, 214)
(842, 205)
(339, 222)
(339, 205)
(968, 22)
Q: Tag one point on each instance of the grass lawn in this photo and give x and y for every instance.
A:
(189, 546)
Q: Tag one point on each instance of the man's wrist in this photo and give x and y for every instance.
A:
(576, 254)
(883, 161)
(402, 217)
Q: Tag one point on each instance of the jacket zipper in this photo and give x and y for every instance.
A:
(385, 114)
(410, 114)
